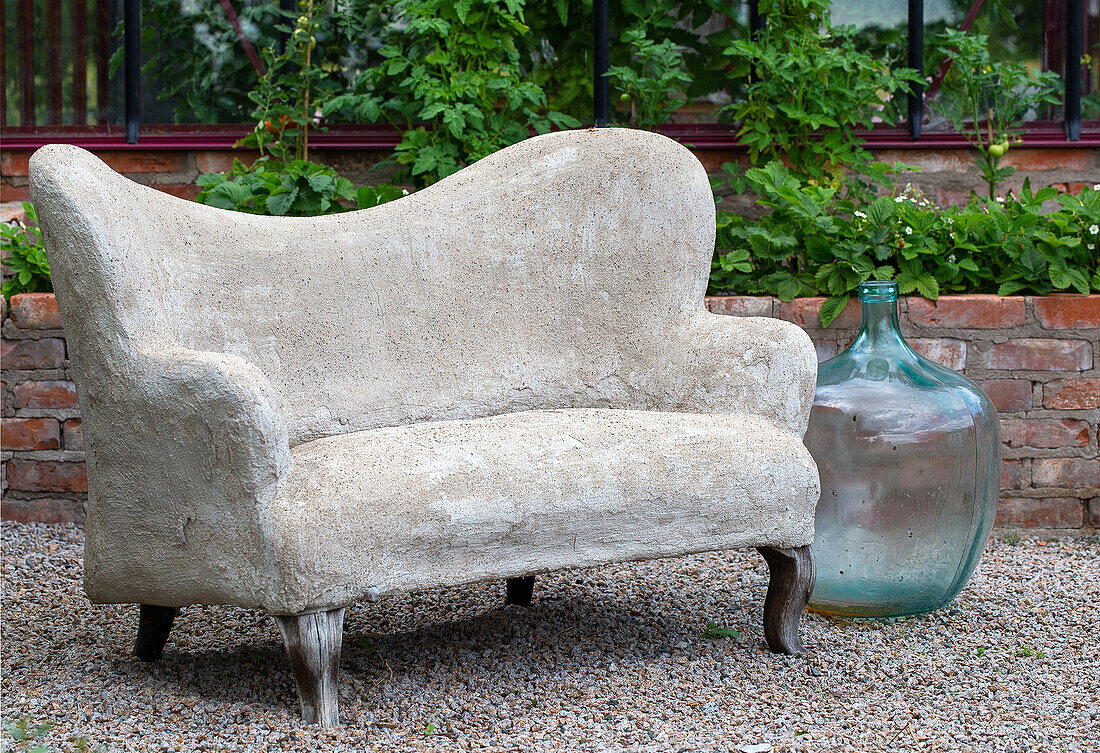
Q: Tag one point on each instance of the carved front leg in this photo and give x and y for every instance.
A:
(792, 580)
(313, 647)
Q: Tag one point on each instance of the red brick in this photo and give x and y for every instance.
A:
(931, 160)
(15, 163)
(1008, 395)
(1015, 474)
(968, 311)
(1039, 355)
(12, 213)
(1072, 394)
(220, 162)
(1031, 159)
(1068, 311)
(73, 433)
(187, 191)
(35, 311)
(30, 434)
(43, 510)
(47, 353)
(14, 193)
(943, 350)
(47, 476)
(806, 312)
(1044, 434)
(47, 394)
(1066, 473)
(740, 305)
(1054, 512)
(140, 163)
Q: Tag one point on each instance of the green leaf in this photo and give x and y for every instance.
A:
(832, 308)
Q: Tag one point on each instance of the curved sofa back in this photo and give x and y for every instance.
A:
(550, 274)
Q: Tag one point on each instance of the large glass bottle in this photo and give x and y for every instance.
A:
(909, 455)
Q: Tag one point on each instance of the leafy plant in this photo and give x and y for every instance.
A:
(713, 631)
(810, 89)
(651, 85)
(25, 734)
(296, 188)
(291, 92)
(25, 256)
(816, 242)
(452, 80)
(986, 100)
(194, 54)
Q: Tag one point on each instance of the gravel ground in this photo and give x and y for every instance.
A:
(611, 658)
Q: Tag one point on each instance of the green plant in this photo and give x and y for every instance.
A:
(816, 242)
(210, 86)
(452, 81)
(292, 91)
(428, 730)
(811, 88)
(713, 631)
(651, 85)
(1026, 650)
(25, 256)
(986, 100)
(24, 733)
(296, 188)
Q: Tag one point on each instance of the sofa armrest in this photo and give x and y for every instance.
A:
(754, 365)
(187, 451)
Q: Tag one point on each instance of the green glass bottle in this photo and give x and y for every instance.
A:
(909, 456)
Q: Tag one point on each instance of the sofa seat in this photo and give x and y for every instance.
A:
(432, 504)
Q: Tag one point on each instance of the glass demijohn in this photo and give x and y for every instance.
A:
(909, 456)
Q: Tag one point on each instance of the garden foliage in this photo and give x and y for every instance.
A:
(986, 100)
(452, 81)
(25, 256)
(817, 242)
(296, 188)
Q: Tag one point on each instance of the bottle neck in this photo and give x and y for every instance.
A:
(880, 326)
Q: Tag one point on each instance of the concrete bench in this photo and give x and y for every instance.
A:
(508, 373)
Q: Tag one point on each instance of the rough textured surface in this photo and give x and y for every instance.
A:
(567, 271)
(611, 658)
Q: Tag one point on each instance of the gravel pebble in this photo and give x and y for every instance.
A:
(606, 659)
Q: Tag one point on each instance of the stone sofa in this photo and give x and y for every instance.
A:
(507, 373)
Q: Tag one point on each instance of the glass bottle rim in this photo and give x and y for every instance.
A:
(878, 291)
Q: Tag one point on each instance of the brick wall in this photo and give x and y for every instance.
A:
(41, 444)
(948, 174)
(1038, 358)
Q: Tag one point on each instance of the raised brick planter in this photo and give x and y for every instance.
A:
(1038, 358)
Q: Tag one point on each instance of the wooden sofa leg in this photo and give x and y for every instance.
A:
(154, 624)
(520, 590)
(792, 580)
(313, 647)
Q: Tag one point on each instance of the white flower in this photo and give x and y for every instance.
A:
(908, 230)
(1000, 200)
(1096, 187)
(899, 199)
(950, 220)
(861, 215)
(404, 192)
(951, 258)
(1094, 229)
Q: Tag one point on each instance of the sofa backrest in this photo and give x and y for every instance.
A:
(549, 274)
